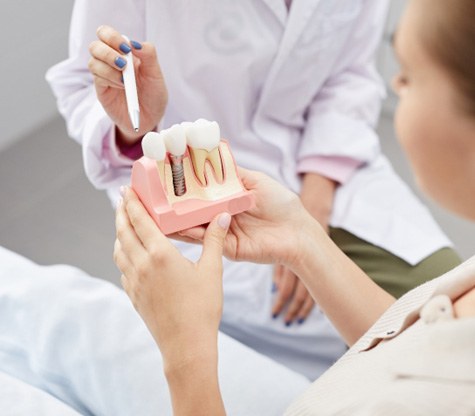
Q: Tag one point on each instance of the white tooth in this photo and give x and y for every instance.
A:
(203, 134)
(186, 125)
(203, 137)
(175, 140)
(153, 146)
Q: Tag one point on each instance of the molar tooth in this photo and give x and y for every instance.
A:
(203, 138)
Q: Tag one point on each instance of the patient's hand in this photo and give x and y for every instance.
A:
(180, 301)
(270, 232)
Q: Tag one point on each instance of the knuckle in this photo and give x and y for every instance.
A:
(300, 298)
(120, 233)
(103, 32)
(111, 56)
(285, 293)
(91, 64)
(155, 253)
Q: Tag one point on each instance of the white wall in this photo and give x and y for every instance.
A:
(34, 37)
(387, 63)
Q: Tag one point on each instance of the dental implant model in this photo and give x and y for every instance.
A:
(153, 146)
(187, 176)
(175, 141)
(203, 137)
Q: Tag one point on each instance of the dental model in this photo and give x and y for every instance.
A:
(175, 142)
(187, 176)
(203, 138)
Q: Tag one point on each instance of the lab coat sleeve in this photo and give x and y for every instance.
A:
(343, 115)
(72, 84)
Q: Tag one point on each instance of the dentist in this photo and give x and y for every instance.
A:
(295, 90)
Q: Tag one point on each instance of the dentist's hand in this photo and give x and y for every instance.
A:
(271, 231)
(180, 301)
(107, 64)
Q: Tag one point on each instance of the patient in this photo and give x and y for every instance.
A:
(413, 356)
(78, 340)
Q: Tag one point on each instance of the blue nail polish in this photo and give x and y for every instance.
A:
(275, 315)
(288, 323)
(135, 44)
(120, 62)
(301, 321)
(274, 288)
(125, 48)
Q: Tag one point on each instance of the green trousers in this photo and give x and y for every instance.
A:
(389, 271)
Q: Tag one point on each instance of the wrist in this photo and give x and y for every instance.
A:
(183, 354)
(307, 247)
(194, 386)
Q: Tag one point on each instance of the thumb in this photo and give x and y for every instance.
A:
(213, 241)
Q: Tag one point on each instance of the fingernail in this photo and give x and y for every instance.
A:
(122, 190)
(274, 288)
(224, 220)
(275, 315)
(125, 48)
(119, 203)
(301, 321)
(288, 323)
(135, 44)
(120, 62)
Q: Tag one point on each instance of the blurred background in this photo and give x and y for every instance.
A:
(49, 211)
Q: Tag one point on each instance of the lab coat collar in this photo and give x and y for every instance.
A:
(300, 14)
(279, 9)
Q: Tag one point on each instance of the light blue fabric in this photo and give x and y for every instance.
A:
(79, 339)
(18, 398)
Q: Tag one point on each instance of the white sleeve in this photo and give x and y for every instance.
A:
(343, 115)
(72, 84)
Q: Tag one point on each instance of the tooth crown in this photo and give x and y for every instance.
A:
(203, 134)
(153, 146)
(175, 140)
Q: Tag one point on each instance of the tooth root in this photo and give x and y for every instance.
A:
(215, 160)
(161, 172)
(199, 157)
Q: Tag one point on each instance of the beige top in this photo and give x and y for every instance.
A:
(416, 360)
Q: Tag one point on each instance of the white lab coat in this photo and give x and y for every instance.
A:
(283, 88)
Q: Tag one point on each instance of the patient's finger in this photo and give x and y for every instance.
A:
(121, 259)
(196, 234)
(145, 228)
(126, 235)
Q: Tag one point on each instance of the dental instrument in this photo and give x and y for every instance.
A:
(131, 95)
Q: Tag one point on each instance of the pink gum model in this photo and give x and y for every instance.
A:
(153, 184)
